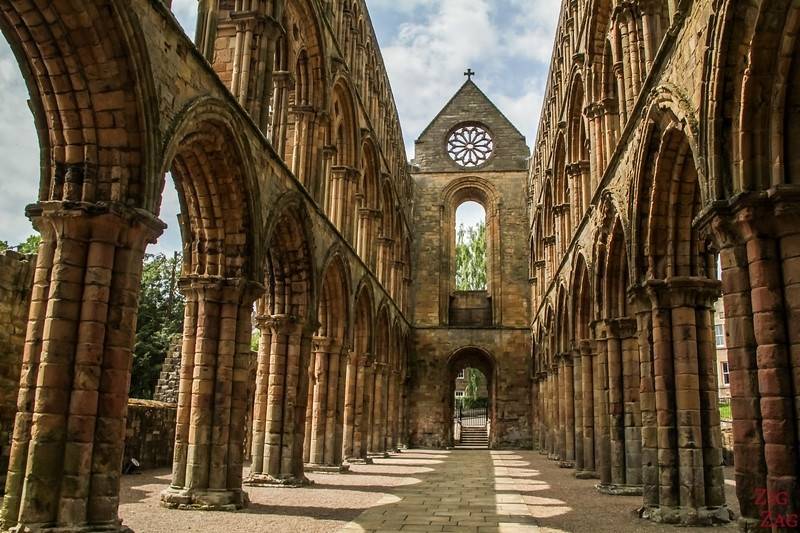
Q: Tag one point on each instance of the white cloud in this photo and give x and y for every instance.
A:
(186, 13)
(426, 55)
(19, 149)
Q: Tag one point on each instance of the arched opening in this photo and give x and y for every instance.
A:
(470, 244)
(470, 303)
(471, 374)
(355, 418)
(676, 271)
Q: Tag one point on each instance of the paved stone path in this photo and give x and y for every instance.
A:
(471, 491)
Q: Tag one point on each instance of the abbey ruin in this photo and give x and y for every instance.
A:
(663, 178)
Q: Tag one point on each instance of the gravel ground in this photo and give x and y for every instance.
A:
(410, 486)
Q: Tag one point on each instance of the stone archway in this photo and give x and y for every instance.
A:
(480, 359)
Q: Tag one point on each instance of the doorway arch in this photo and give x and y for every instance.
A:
(480, 359)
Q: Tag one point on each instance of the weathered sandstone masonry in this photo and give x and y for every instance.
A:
(664, 157)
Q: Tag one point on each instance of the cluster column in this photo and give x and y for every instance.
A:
(759, 238)
(355, 427)
(689, 486)
(326, 421)
(212, 397)
(379, 400)
(69, 433)
(586, 349)
(278, 457)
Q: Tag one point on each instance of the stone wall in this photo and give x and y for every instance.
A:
(16, 279)
(150, 433)
(169, 379)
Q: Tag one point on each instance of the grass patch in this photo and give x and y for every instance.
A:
(725, 412)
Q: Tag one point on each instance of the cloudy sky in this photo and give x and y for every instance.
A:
(426, 45)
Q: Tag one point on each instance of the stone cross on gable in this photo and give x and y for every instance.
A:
(469, 73)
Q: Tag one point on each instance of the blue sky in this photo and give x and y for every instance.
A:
(426, 45)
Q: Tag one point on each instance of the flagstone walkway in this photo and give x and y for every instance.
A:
(478, 491)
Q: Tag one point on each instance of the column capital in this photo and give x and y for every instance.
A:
(752, 214)
(622, 328)
(586, 347)
(344, 172)
(221, 289)
(327, 345)
(683, 292)
(283, 324)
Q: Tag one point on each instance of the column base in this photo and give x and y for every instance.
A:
(112, 527)
(266, 480)
(204, 500)
(613, 489)
(687, 516)
(326, 469)
(378, 455)
(586, 474)
(553, 456)
(566, 464)
(358, 461)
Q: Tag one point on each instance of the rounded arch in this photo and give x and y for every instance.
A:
(383, 334)
(217, 191)
(481, 359)
(670, 188)
(334, 306)
(344, 124)
(458, 191)
(753, 117)
(581, 292)
(363, 318)
(108, 75)
(290, 282)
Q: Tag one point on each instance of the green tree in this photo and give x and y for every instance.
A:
(160, 321)
(31, 245)
(471, 258)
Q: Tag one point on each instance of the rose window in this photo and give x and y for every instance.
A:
(470, 146)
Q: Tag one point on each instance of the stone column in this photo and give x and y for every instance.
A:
(616, 422)
(351, 377)
(690, 477)
(759, 240)
(355, 449)
(378, 440)
(69, 434)
(384, 256)
(309, 415)
(287, 391)
(367, 409)
(212, 400)
(556, 427)
(278, 128)
(640, 303)
(365, 218)
(601, 405)
(302, 146)
(392, 443)
(568, 398)
(587, 403)
(258, 434)
(577, 412)
(624, 433)
(541, 390)
(325, 420)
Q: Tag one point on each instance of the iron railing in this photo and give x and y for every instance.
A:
(472, 417)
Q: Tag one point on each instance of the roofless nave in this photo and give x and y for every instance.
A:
(666, 141)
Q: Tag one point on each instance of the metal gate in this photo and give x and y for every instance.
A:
(472, 417)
